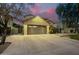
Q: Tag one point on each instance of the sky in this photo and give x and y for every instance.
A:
(42, 7)
(47, 10)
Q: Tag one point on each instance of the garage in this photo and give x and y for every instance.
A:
(35, 29)
(35, 25)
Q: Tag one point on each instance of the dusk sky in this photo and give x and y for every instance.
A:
(42, 7)
(47, 10)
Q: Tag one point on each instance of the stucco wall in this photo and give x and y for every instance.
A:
(48, 29)
(25, 29)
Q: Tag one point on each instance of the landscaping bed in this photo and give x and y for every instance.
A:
(76, 37)
(4, 46)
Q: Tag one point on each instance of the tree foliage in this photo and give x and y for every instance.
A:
(9, 12)
(69, 14)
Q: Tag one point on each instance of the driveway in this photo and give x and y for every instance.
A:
(48, 44)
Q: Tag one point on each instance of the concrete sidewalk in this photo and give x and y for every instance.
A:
(48, 44)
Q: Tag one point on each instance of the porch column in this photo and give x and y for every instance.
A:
(47, 29)
(25, 29)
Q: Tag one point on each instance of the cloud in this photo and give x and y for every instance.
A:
(35, 9)
(51, 11)
(50, 14)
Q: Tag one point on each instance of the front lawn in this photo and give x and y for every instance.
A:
(76, 37)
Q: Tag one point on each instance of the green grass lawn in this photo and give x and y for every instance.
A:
(76, 37)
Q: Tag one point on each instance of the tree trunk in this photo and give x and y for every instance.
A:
(3, 37)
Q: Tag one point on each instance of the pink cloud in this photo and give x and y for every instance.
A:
(51, 11)
(35, 9)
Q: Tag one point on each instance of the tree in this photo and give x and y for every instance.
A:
(9, 12)
(69, 14)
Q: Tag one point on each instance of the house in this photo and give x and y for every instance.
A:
(14, 27)
(36, 25)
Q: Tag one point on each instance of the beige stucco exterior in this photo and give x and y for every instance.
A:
(25, 29)
(48, 29)
(37, 21)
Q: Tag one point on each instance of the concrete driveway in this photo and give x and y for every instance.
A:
(48, 44)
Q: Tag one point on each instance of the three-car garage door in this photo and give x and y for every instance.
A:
(36, 29)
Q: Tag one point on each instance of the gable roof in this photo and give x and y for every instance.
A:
(34, 18)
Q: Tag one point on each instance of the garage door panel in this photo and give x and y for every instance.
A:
(36, 30)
